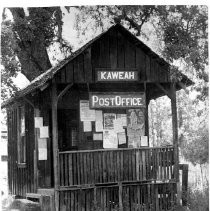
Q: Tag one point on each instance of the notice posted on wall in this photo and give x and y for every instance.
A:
(87, 126)
(121, 138)
(38, 122)
(42, 154)
(99, 115)
(86, 114)
(109, 119)
(123, 119)
(42, 143)
(42, 148)
(136, 122)
(97, 136)
(110, 139)
(44, 132)
(99, 126)
(144, 141)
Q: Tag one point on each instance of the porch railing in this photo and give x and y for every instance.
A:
(116, 165)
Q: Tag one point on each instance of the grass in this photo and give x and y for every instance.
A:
(198, 200)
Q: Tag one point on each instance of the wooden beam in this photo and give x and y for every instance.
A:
(64, 91)
(175, 129)
(146, 112)
(184, 183)
(55, 143)
(120, 192)
(175, 139)
(164, 90)
(36, 135)
(28, 101)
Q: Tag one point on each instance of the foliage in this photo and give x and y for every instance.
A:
(182, 29)
(160, 122)
(185, 36)
(25, 40)
(8, 60)
(198, 200)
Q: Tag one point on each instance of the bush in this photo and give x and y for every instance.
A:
(198, 200)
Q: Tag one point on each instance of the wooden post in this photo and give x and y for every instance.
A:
(146, 112)
(175, 139)
(55, 144)
(36, 114)
(175, 130)
(120, 197)
(184, 168)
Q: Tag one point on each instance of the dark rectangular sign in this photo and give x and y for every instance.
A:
(117, 100)
(117, 75)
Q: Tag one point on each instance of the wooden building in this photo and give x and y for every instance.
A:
(78, 133)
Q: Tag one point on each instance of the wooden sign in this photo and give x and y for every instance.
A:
(117, 100)
(116, 75)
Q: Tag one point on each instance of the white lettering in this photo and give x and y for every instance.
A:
(139, 101)
(95, 99)
(101, 101)
(131, 75)
(115, 75)
(121, 75)
(109, 76)
(106, 102)
(135, 103)
(126, 76)
(118, 100)
(103, 75)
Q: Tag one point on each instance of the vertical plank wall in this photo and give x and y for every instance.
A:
(20, 178)
(115, 49)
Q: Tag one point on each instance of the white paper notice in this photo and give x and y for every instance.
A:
(123, 119)
(121, 138)
(44, 132)
(86, 114)
(38, 122)
(109, 139)
(109, 121)
(144, 141)
(97, 136)
(42, 154)
(99, 116)
(118, 126)
(42, 143)
(99, 126)
(87, 126)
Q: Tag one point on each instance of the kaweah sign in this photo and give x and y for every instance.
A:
(116, 100)
(117, 75)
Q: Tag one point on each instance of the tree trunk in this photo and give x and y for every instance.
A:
(32, 53)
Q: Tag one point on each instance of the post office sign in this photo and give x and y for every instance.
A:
(116, 100)
(117, 75)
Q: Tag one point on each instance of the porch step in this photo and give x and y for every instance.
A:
(46, 201)
(33, 197)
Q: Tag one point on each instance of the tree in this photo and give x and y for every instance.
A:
(25, 41)
(181, 29)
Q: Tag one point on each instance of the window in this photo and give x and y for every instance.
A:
(21, 135)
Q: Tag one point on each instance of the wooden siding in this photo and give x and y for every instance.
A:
(142, 197)
(113, 50)
(20, 178)
(120, 165)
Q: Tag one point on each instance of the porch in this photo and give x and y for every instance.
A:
(94, 167)
(122, 179)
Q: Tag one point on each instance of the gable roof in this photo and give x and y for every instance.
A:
(42, 79)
